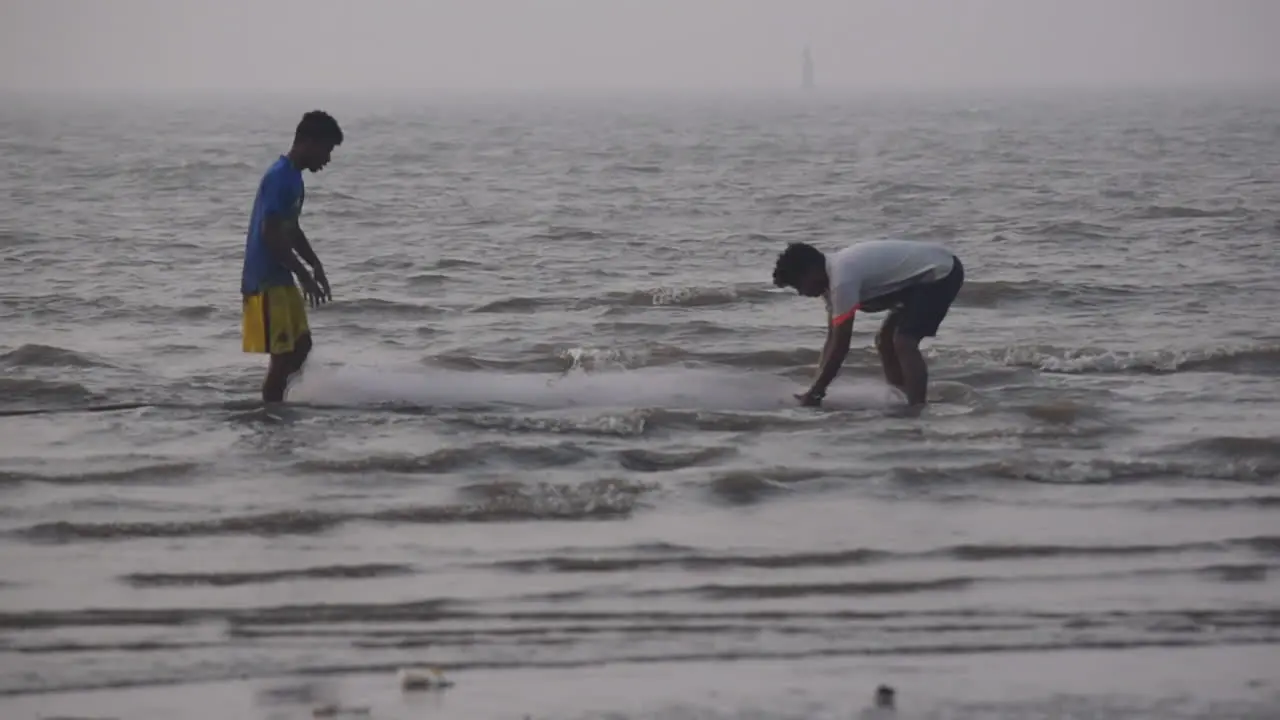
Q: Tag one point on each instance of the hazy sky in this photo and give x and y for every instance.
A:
(621, 44)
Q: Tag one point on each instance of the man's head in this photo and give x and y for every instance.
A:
(803, 267)
(314, 140)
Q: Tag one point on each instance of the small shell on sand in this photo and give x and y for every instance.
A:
(422, 678)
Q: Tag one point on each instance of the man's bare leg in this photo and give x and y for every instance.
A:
(915, 374)
(282, 367)
(888, 357)
(277, 375)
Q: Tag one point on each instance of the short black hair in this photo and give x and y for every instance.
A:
(795, 262)
(318, 126)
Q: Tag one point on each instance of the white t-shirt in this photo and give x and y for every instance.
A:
(873, 269)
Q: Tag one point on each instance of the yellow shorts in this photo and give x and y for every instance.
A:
(274, 320)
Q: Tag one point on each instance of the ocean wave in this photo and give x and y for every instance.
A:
(1255, 359)
(774, 591)
(750, 486)
(639, 558)
(545, 357)
(65, 306)
(535, 361)
(427, 280)
(204, 312)
(345, 620)
(1244, 502)
(519, 304)
(18, 393)
(694, 329)
(1182, 212)
(641, 460)
(49, 356)
(454, 263)
(301, 522)
(598, 500)
(455, 459)
(770, 359)
(1070, 230)
(820, 648)
(1001, 293)
(629, 424)
(662, 388)
(790, 589)
(1234, 447)
(137, 474)
(570, 234)
(635, 423)
(688, 559)
(381, 637)
(1087, 472)
(691, 297)
(379, 307)
(627, 301)
(230, 579)
(1245, 359)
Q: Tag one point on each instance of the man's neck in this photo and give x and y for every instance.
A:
(292, 157)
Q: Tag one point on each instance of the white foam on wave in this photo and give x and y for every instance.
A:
(669, 388)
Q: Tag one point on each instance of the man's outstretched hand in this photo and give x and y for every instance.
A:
(311, 291)
(323, 283)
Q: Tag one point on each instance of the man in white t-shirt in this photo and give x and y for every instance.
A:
(915, 281)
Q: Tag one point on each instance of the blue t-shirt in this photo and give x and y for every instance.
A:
(280, 193)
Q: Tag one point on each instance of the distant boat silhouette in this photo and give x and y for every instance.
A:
(806, 78)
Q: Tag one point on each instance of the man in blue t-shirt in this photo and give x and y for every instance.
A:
(275, 313)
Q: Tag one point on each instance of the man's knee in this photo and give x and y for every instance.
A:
(905, 342)
(292, 361)
(301, 350)
(884, 338)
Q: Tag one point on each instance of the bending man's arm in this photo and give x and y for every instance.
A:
(841, 304)
(826, 344)
(833, 355)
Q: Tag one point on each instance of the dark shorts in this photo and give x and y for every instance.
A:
(920, 309)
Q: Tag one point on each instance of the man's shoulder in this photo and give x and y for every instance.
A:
(282, 172)
(850, 257)
(883, 243)
(890, 247)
